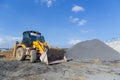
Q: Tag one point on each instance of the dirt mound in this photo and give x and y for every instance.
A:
(92, 49)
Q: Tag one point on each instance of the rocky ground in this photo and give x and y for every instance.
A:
(72, 70)
(103, 64)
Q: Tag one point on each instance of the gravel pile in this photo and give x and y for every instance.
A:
(92, 49)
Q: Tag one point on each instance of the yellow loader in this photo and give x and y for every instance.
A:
(33, 45)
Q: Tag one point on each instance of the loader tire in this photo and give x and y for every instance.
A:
(33, 55)
(20, 54)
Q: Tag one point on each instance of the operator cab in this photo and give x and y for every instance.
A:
(30, 36)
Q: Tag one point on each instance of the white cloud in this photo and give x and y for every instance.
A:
(1, 40)
(82, 22)
(8, 41)
(74, 41)
(14, 38)
(77, 8)
(73, 19)
(47, 2)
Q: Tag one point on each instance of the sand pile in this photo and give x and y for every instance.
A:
(92, 49)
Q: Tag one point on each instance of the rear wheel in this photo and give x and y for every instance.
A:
(20, 54)
(33, 54)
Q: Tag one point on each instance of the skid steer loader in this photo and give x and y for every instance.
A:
(33, 45)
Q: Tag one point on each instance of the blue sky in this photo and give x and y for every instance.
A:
(62, 22)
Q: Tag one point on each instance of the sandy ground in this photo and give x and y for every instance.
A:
(6, 55)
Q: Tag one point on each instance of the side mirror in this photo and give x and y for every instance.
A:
(17, 42)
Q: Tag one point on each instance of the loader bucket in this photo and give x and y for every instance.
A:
(53, 56)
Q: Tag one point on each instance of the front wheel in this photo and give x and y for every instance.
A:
(20, 54)
(33, 54)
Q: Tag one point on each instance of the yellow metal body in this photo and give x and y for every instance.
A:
(40, 46)
(43, 49)
(35, 44)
